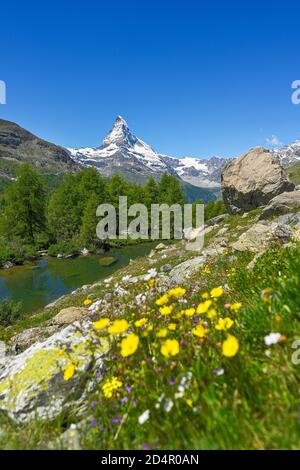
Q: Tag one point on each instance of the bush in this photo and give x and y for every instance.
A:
(15, 251)
(64, 248)
(10, 312)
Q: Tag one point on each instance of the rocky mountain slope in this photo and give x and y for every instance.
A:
(204, 173)
(17, 146)
(289, 154)
(121, 152)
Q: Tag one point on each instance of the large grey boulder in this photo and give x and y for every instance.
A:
(185, 270)
(282, 204)
(32, 384)
(252, 180)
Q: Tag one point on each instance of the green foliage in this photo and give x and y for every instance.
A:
(24, 212)
(294, 173)
(170, 190)
(214, 208)
(48, 211)
(15, 251)
(10, 312)
(70, 247)
(89, 223)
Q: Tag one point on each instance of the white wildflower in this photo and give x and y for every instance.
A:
(151, 273)
(272, 338)
(144, 417)
(168, 405)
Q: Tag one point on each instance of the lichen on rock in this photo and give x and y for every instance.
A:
(32, 384)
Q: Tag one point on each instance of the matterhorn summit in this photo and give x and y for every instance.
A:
(124, 153)
(119, 134)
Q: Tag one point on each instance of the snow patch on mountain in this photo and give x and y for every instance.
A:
(288, 154)
(204, 173)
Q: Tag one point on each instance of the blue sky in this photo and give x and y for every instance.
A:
(190, 77)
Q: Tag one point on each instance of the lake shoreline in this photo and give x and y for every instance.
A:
(45, 280)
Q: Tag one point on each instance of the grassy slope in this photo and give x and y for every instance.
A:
(294, 173)
(254, 404)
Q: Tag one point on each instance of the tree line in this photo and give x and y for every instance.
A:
(65, 220)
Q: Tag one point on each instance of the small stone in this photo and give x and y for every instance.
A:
(8, 265)
(165, 268)
(160, 246)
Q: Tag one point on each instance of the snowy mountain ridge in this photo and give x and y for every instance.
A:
(123, 152)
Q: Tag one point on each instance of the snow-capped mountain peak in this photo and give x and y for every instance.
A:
(119, 134)
(122, 151)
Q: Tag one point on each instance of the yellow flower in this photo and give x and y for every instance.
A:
(87, 302)
(118, 327)
(170, 347)
(236, 307)
(200, 330)
(189, 402)
(162, 333)
(266, 295)
(151, 283)
(179, 314)
(129, 345)
(141, 322)
(224, 324)
(172, 326)
(62, 351)
(205, 295)
(101, 324)
(230, 346)
(166, 310)
(110, 386)
(162, 300)
(211, 314)
(189, 312)
(177, 292)
(69, 372)
(207, 270)
(216, 292)
(278, 318)
(203, 307)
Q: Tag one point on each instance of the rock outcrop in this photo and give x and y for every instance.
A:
(258, 238)
(32, 384)
(69, 315)
(282, 204)
(253, 180)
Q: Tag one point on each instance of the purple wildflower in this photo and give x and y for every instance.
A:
(146, 446)
(218, 372)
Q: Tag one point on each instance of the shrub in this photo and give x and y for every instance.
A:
(10, 312)
(64, 248)
(15, 251)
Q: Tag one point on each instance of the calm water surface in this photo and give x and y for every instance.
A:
(39, 284)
